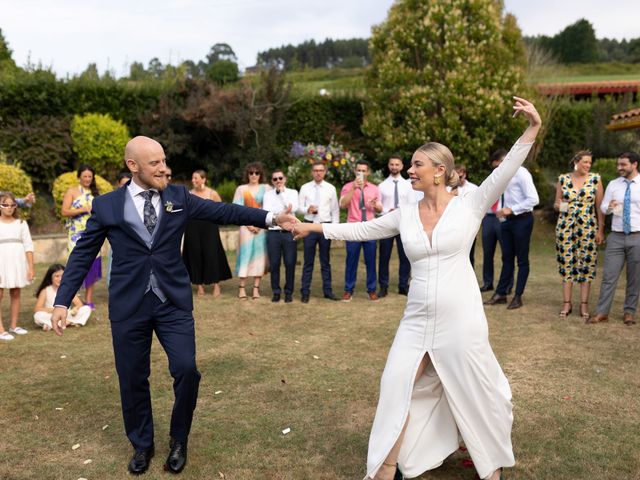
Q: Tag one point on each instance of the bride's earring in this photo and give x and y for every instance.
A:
(436, 179)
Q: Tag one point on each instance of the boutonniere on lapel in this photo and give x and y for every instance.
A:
(168, 206)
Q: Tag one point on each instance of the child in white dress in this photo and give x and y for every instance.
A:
(46, 293)
(16, 260)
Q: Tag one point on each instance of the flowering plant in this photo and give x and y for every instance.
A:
(340, 163)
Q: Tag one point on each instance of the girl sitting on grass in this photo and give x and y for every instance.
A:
(46, 293)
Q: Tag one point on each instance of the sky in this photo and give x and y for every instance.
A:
(67, 35)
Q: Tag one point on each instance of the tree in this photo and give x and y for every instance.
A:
(99, 141)
(8, 67)
(576, 43)
(223, 72)
(221, 51)
(443, 71)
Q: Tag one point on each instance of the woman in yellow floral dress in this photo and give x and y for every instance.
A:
(76, 208)
(580, 229)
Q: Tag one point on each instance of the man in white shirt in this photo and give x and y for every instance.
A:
(280, 243)
(465, 187)
(318, 202)
(622, 199)
(395, 190)
(516, 215)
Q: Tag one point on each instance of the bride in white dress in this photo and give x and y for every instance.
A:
(441, 381)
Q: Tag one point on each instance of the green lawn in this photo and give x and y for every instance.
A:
(315, 369)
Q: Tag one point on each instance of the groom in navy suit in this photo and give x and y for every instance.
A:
(150, 290)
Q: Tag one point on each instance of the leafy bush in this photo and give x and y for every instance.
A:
(41, 146)
(607, 168)
(226, 189)
(14, 180)
(99, 141)
(70, 179)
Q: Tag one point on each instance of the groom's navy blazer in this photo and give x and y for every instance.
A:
(133, 259)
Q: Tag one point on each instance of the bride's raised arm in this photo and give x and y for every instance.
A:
(496, 183)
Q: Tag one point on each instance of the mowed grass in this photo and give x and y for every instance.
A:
(315, 369)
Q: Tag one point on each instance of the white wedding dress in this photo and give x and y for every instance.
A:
(463, 392)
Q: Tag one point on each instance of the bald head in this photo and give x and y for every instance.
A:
(146, 160)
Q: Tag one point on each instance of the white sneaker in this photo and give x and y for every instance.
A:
(18, 331)
(6, 336)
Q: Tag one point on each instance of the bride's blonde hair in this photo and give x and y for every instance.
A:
(439, 154)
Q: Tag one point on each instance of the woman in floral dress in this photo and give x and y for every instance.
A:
(76, 208)
(580, 229)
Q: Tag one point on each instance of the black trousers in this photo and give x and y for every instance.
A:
(516, 238)
(282, 247)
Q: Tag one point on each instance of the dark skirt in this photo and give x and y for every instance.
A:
(203, 254)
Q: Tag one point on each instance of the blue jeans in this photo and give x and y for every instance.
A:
(282, 247)
(351, 268)
(516, 237)
(404, 270)
(324, 247)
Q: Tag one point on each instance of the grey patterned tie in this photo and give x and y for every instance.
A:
(396, 200)
(150, 217)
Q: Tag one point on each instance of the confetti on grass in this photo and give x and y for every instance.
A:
(316, 357)
(105, 427)
(76, 446)
(286, 430)
(217, 392)
(87, 461)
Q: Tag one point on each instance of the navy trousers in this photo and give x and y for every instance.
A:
(324, 248)
(491, 236)
(516, 237)
(132, 346)
(351, 269)
(282, 248)
(404, 270)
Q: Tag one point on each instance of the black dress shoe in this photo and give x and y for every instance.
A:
(495, 299)
(140, 461)
(382, 293)
(515, 303)
(275, 298)
(177, 458)
(288, 298)
(304, 298)
(403, 291)
(331, 296)
(486, 288)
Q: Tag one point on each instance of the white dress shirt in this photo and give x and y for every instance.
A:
(275, 202)
(615, 191)
(406, 193)
(521, 194)
(324, 196)
(138, 200)
(465, 189)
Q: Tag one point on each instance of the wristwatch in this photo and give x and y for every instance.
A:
(274, 219)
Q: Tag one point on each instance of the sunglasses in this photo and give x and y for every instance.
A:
(254, 173)
(8, 205)
(275, 179)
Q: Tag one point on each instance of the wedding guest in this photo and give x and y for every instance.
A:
(442, 382)
(27, 201)
(280, 244)
(394, 191)
(318, 202)
(252, 258)
(622, 199)
(579, 229)
(361, 198)
(168, 174)
(463, 188)
(492, 233)
(16, 261)
(46, 295)
(76, 208)
(516, 215)
(203, 253)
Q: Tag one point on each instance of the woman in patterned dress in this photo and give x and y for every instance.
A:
(579, 230)
(76, 208)
(252, 258)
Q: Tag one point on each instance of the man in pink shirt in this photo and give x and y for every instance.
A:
(362, 200)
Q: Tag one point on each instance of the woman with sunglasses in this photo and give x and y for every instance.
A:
(252, 258)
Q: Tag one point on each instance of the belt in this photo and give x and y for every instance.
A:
(522, 215)
(630, 233)
(278, 231)
(10, 240)
(490, 214)
(310, 221)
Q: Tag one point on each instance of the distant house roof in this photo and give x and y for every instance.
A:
(589, 88)
(625, 120)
